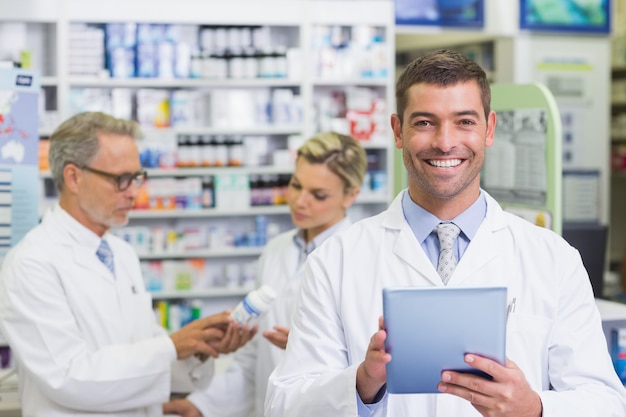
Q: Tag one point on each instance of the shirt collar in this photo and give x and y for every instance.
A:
(423, 222)
(305, 248)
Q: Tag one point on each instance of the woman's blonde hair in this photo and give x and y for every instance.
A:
(342, 154)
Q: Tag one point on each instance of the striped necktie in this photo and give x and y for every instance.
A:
(106, 255)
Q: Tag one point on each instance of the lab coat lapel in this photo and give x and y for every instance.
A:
(484, 248)
(83, 255)
(407, 248)
(405, 245)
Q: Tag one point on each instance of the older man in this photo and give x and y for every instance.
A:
(72, 301)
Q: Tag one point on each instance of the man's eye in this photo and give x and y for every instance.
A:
(125, 179)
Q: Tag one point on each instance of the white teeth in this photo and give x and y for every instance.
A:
(446, 163)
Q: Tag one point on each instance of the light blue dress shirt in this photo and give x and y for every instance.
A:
(423, 225)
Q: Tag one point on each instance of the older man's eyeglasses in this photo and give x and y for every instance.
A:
(123, 181)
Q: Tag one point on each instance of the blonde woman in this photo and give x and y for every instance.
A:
(327, 179)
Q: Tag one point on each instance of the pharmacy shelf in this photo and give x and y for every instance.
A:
(199, 213)
(178, 83)
(292, 23)
(244, 211)
(269, 129)
(204, 171)
(618, 178)
(375, 145)
(364, 82)
(195, 293)
(204, 253)
(371, 198)
(200, 172)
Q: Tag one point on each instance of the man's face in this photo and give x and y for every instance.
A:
(443, 139)
(101, 204)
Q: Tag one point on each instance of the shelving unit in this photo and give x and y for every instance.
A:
(618, 173)
(186, 295)
(204, 253)
(617, 235)
(201, 213)
(316, 33)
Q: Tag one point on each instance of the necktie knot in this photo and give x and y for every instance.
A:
(105, 255)
(447, 234)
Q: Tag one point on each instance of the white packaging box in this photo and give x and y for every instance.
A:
(235, 107)
(122, 103)
(256, 150)
(581, 198)
(232, 191)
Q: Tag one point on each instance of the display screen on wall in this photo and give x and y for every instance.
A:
(448, 13)
(566, 15)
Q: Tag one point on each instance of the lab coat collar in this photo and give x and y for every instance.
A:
(68, 231)
(394, 217)
(68, 226)
(306, 249)
(482, 249)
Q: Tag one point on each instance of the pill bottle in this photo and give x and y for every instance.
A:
(254, 304)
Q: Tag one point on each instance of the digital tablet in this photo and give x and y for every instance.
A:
(431, 329)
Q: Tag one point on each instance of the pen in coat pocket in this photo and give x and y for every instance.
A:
(511, 308)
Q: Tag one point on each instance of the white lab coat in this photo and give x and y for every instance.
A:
(241, 389)
(554, 335)
(86, 343)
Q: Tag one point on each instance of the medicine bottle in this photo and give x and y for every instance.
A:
(221, 151)
(254, 304)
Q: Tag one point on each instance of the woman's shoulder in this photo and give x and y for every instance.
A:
(281, 240)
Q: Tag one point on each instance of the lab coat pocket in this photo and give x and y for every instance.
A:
(141, 316)
(527, 344)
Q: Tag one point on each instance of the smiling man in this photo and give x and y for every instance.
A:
(72, 301)
(557, 361)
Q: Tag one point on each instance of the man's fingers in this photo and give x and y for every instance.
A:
(230, 340)
(170, 407)
(215, 320)
(208, 350)
(378, 340)
(247, 333)
(486, 365)
(212, 334)
(234, 337)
